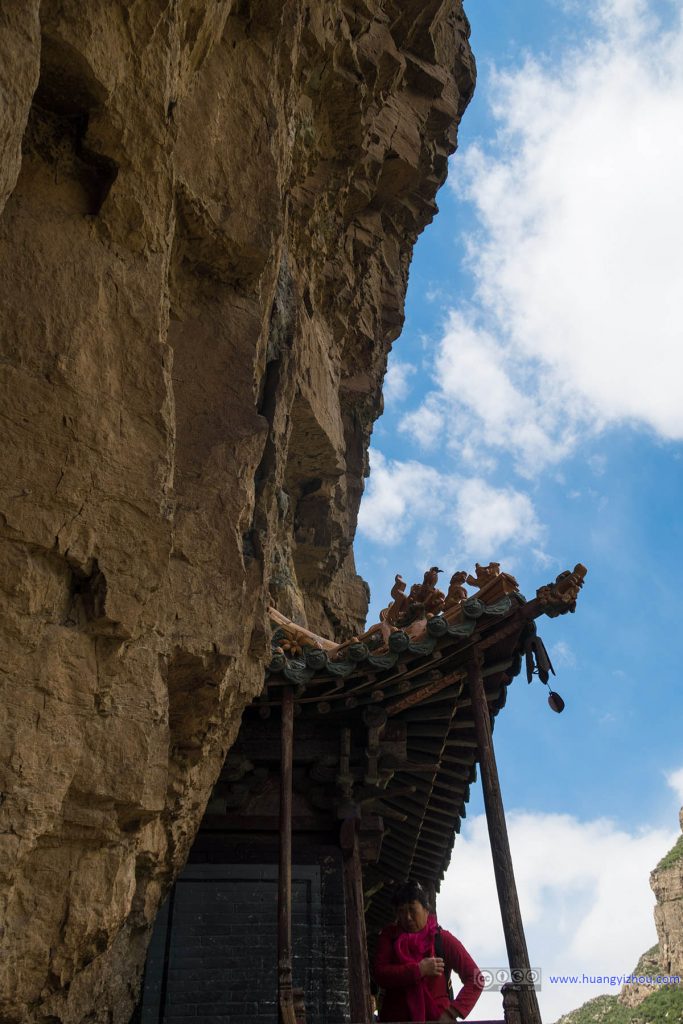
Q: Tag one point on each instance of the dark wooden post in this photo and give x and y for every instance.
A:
(359, 975)
(430, 889)
(511, 1004)
(513, 928)
(284, 894)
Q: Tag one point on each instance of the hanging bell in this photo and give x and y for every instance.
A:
(555, 701)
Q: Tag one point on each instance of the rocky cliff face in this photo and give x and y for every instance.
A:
(666, 957)
(209, 211)
(642, 1002)
(666, 881)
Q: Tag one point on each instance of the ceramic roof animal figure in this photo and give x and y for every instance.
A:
(431, 577)
(399, 604)
(421, 591)
(456, 592)
(483, 574)
(399, 587)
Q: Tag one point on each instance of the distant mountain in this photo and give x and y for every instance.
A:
(662, 1007)
(643, 1003)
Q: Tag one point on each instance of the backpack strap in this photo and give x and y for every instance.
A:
(439, 951)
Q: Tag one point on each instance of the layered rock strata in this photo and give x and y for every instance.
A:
(641, 1001)
(209, 212)
(666, 957)
(666, 882)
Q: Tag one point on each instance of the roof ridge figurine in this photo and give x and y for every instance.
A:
(560, 596)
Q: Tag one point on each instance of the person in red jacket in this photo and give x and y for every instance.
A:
(413, 960)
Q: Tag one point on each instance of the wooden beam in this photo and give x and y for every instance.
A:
(513, 928)
(439, 812)
(420, 785)
(424, 747)
(265, 823)
(439, 848)
(401, 854)
(492, 696)
(430, 829)
(399, 830)
(460, 722)
(370, 838)
(359, 973)
(447, 773)
(414, 808)
(454, 759)
(429, 713)
(443, 782)
(427, 859)
(450, 695)
(451, 805)
(400, 866)
(398, 852)
(424, 730)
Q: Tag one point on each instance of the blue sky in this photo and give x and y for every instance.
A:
(534, 414)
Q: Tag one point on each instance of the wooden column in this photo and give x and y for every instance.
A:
(359, 974)
(513, 928)
(284, 894)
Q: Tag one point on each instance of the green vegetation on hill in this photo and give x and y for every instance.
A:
(675, 854)
(601, 1010)
(665, 1006)
(649, 963)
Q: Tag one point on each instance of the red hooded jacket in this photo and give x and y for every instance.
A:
(395, 977)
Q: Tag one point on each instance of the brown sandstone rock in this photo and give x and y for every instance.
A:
(666, 882)
(203, 258)
(666, 957)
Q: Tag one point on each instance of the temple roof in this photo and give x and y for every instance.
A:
(402, 685)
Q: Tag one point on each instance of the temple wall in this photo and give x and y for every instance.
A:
(213, 954)
(207, 213)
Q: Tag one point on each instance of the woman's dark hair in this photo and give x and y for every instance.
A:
(408, 892)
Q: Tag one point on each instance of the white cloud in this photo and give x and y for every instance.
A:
(397, 381)
(475, 519)
(562, 654)
(578, 319)
(597, 464)
(399, 497)
(585, 898)
(427, 424)
(675, 780)
(488, 517)
(622, 16)
(486, 396)
(543, 559)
